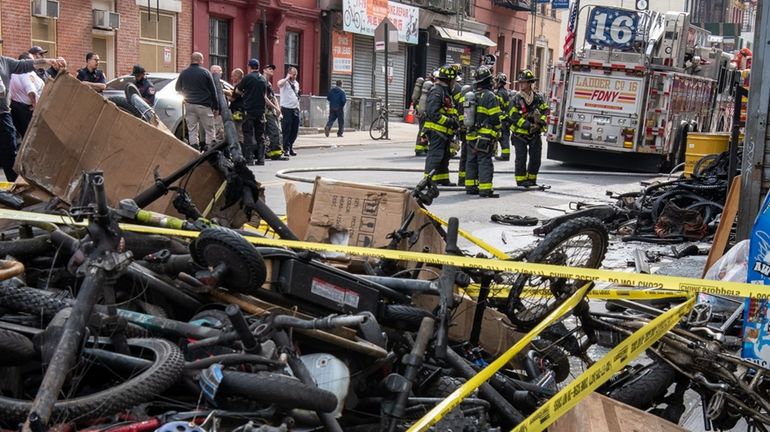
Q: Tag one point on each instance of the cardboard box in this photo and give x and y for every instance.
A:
(74, 130)
(597, 413)
(298, 206)
(354, 214)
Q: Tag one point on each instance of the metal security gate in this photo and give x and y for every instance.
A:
(363, 65)
(434, 57)
(397, 85)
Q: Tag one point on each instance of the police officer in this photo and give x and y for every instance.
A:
(483, 136)
(527, 117)
(504, 96)
(440, 125)
(253, 87)
(145, 86)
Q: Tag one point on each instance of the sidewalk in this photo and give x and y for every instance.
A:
(400, 133)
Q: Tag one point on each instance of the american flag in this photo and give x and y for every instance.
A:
(569, 40)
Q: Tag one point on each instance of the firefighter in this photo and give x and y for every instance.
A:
(421, 143)
(504, 96)
(440, 125)
(482, 136)
(527, 116)
(458, 143)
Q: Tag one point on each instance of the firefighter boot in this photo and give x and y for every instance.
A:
(488, 194)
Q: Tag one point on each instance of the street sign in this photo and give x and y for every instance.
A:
(489, 60)
(379, 36)
(560, 4)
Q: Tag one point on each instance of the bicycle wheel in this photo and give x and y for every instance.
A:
(116, 390)
(377, 129)
(580, 242)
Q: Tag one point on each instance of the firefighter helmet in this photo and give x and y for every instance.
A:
(502, 78)
(447, 73)
(483, 73)
(526, 75)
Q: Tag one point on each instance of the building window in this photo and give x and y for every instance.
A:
(157, 42)
(291, 51)
(101, 46)
(219, 40)
(44, 34)
(470, 8)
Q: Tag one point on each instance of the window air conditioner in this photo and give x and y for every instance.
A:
(45, 8)
(106, 20)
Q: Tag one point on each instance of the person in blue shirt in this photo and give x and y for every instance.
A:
(91, 75)
(337, 100)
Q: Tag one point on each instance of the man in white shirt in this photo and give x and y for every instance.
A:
(289, 88)
(24, 90)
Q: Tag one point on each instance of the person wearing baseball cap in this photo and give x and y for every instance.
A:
(145, 86)
(39, 52)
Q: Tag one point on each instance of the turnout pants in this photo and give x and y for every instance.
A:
(505, 144)
(438, 156)
(254, 137)
(527, 144)
(462, 169)
(273, 130)
(479, 167)
(420, 146)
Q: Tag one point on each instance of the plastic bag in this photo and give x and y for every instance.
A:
(733, 266)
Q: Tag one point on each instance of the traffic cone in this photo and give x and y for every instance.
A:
(410, 114)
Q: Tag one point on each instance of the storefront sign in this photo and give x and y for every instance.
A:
(377, 8)
(458, 54)
(357, 18)
(342, 53)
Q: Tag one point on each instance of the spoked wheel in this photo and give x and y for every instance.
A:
(377, 129)
(580, 242)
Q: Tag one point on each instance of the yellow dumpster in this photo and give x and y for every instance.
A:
(703, 144)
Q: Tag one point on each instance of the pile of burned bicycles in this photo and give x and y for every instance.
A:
(105, 327)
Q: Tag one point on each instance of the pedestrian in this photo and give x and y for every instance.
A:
(440, 125)
(236, 103)
(273, 118)
(483, 137)
(200, 101)
(504, 96)
(219, 125)
(10, 66)
(145, 86)
(91, 75)
(337, 100)
(44, 74)
(527, 117)
(25, 91)
(289, 92)
(253, 87)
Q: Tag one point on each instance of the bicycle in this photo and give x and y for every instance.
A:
(378, 128)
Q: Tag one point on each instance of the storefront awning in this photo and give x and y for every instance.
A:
(466, 37)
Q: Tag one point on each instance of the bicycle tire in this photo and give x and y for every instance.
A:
(526, 311)
(246, 268)
(404, 316)
(377, 128)
(126, 106)
(279, 389)
(17, 349)
(644, 391)
(166, 368)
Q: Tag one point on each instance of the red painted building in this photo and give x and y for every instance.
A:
(230, 32)
(508, 27)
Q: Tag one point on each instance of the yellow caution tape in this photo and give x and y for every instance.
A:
(689, 285)
(470, 237)
(454, 399)
(602, 370)
(501, 291)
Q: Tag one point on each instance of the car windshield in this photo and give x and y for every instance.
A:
(122, 82)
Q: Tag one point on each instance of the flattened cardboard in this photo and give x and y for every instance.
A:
(597, 413)
(297, 209)
(364, 214)
(74, 130)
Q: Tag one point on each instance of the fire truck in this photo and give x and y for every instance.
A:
(637, 83)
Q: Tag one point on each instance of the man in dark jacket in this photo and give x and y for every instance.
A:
(337, 100)
(145, 86)
(441, 123)
(482, 137)
(253, 87)
(200, 100)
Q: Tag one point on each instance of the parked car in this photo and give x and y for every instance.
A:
(168, 103)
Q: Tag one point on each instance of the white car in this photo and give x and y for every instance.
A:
(168, 103)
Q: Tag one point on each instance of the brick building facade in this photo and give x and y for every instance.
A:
(160, 39)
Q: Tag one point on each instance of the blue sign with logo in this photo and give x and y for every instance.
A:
(613, 28)
(560, 4)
